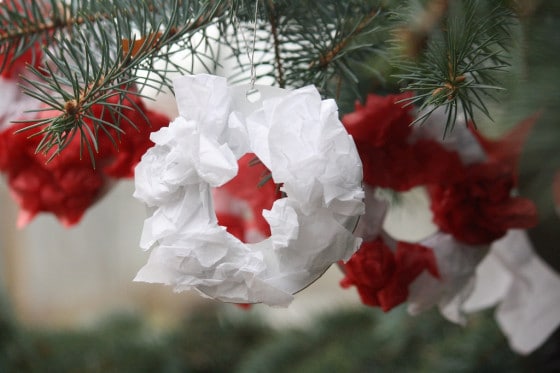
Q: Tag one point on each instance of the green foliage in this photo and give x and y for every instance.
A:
(452, 53)
(203, 343)
(370, 341)
(319, 42)
(98, 51)
(338, 46)
(211, 340)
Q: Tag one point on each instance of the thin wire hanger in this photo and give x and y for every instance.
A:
(252, 94)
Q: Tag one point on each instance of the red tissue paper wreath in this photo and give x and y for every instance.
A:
(68, 185)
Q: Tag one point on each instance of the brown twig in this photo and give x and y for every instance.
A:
(326, 58)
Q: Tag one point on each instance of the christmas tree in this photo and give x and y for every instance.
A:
(301, 125)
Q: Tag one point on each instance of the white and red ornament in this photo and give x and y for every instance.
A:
(300, 139)
(482, 255)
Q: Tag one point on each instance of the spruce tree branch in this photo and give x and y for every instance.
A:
(95, 59)
(293, 40)
(457, 64)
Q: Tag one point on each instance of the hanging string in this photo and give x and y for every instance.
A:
(250, 49)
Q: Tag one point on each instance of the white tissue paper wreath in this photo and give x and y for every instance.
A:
(300, 139)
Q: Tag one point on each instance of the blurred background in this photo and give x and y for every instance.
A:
(69, 305)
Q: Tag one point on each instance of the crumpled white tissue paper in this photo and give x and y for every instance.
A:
(457, 264)
(370, 225)
(299, 138)
(524, 288)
